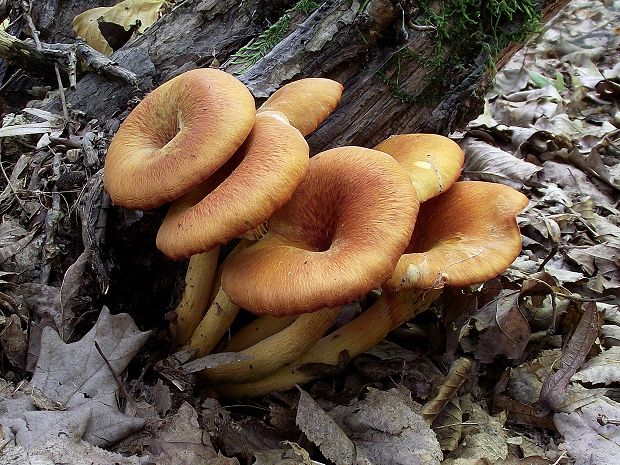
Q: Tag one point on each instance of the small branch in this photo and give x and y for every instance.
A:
(119, 383)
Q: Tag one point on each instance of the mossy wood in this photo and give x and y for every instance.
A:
(406, 66)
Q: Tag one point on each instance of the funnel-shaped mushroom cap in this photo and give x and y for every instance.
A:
(340, 236)
(177, 137)
(306, 102)
(433, 162)
(274, 160)
(465, 236)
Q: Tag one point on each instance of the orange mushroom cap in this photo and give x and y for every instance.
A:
(176, 137)
(340, 236)
(465, 236)
(433, 162)
(273, 161)
(306, 102)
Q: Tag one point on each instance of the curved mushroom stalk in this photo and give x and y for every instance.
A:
(268, 355)
(191, 308)
(257, 330)
(352, 339)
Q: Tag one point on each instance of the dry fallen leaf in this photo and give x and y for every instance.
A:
(553, 390)
(181, 441)
(323, 431)
(602, 369)
(128, 14)
(386, 429)
(488, 163)
(76, 377)
(587, 439)
(500, 327)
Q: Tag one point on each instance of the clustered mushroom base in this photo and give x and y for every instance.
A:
(341, 225)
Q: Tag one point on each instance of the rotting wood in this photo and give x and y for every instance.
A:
(362, 48)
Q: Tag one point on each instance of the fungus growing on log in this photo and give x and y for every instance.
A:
(339, 237)
(479, 216)
(177, 137)
(267, 172)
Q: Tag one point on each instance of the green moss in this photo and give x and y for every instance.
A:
(463, 30)
(251, 53)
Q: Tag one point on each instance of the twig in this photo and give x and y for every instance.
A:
(119, 383)
(26, 6)
(51, 221)
(101, 64)
(9, 183)
(61, 89)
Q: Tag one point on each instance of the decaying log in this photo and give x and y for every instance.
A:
(385, 63)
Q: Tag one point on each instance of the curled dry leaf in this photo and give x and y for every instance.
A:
(448, 425)
(484, 437)
(13, 341)
(459, 373)
(553, 391)
(502, 327)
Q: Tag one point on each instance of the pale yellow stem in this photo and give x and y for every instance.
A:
(217, 280)
(357, 336)
(282, 348)
(195, 298)
(259, 329)
(214, 324)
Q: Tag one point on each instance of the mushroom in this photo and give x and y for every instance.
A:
(177, 137)
(465, 236)
(305, 102)
(433, 163)
(339, 237)
(265, 175)
(243, 194)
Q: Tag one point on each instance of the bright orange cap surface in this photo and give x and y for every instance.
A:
(465, 236)
(433, 162)
(274, 160)
(340, 236)
(306, 102)
(179, 135)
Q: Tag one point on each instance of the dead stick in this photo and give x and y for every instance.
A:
(119, 383)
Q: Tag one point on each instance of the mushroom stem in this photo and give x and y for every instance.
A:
(278, 350)
(367, 330)
(221, 311)
(214, 324)
(195, 299)
(259, 329)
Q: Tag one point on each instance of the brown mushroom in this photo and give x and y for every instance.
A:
(433, 162)
(176, 137)
(307, 103)
(338, 237)
(478, 216)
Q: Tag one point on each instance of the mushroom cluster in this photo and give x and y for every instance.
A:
(340, 224)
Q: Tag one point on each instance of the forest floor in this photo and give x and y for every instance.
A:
(523, 369)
